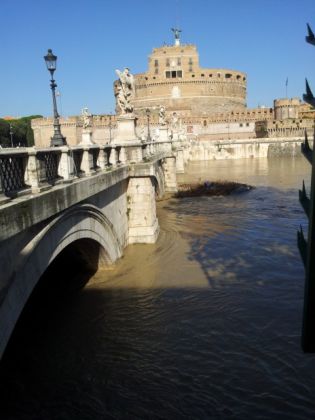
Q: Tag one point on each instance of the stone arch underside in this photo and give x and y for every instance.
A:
(159, 181)
(84, 221)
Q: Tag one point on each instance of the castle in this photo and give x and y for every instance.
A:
(211, 103)
(176, 81)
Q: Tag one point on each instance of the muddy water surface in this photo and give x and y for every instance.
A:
(203, 324)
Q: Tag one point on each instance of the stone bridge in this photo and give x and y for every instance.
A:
(88, 202)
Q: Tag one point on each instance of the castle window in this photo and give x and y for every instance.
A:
(156, 63)
(210, 75)
(228, 75)
(173, 74)
(167, 62)
(156, 71)
(244, 78)
(190, 62)
(190, 69)
(219, 75)
(238, 77)
(202, 75)
(205, 123)
(179, 62)
(241, 124)
(192, 75)
(247, 124)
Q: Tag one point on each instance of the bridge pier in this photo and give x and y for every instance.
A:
(143, 225)
(180, 169)
(169, 169)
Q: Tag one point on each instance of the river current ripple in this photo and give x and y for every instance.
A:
(204, 324)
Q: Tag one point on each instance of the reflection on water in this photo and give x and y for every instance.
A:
(203, 324)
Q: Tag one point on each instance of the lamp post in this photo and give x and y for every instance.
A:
(57, 139)
(11, 135)
(147, 111)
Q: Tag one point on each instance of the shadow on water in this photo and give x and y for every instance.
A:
(255, 234)
(118, 354)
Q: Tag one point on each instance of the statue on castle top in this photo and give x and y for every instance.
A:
(86, 117)
(124, 91)
(176, 34)
(162, 117)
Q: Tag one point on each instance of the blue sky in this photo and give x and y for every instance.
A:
(264, 38)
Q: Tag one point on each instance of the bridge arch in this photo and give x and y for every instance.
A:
(83, 222)
(159, 181)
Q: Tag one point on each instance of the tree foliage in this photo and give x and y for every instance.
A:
(22, 132)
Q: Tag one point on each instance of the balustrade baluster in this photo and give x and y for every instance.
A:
(113, 157)
(65, 167)
(87, 161)
(102, 158)
(122, 155)
(33, 171)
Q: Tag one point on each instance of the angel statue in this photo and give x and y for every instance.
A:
(162, 118)
(175, 121)
(86, 117)
(124, 91)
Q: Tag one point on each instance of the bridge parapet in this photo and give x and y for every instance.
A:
(32, 170)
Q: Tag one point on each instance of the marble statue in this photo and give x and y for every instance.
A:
(124, 91)
(86, 117)
(176, 32)
(175, 121)
(162, 118)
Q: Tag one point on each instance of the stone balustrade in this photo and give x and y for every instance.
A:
(32, 170)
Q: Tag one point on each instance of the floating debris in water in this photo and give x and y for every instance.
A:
(208, 188)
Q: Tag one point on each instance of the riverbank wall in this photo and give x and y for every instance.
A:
(243, 149)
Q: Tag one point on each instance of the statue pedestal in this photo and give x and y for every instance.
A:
(163, 133)
(126, 129)
(86, 137)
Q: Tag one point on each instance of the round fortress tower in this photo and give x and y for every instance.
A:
(175, 80)
(286, 108)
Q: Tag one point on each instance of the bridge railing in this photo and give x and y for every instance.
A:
(32, 170)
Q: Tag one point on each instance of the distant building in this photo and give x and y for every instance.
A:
(9, 118)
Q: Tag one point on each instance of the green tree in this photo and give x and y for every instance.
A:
(22, 131)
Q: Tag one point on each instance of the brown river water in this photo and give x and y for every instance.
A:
(204, 324)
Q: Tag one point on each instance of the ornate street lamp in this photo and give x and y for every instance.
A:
(57, 139)
(11, 135)
(147, 111)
